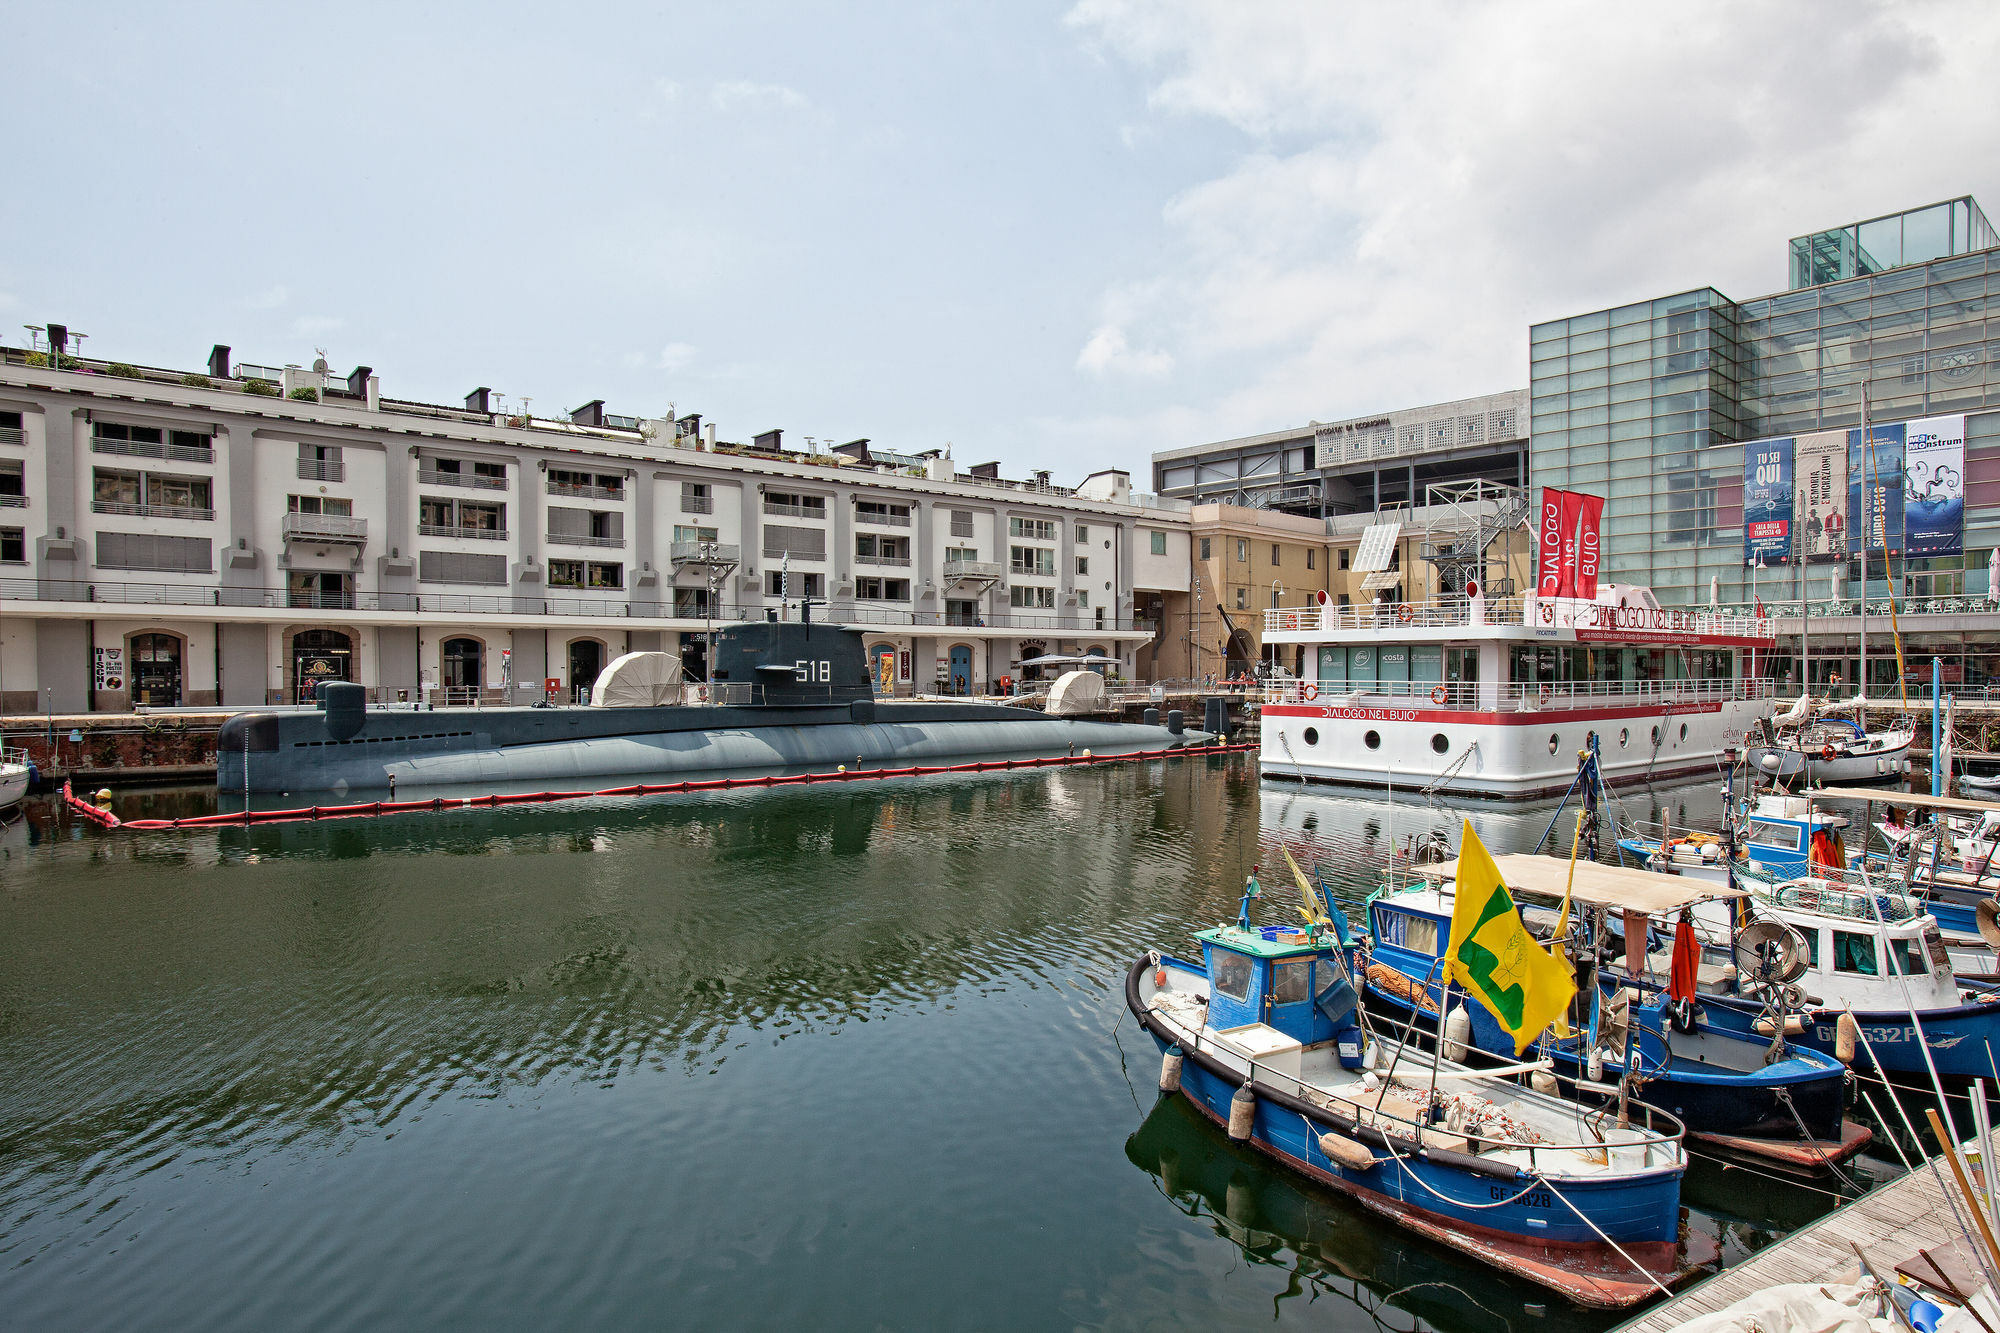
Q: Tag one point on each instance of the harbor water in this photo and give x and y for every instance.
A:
(838, 1057)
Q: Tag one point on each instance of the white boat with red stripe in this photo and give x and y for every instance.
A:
(1495, 697)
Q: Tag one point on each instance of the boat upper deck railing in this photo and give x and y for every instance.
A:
(1654, 695)
(1512, 613)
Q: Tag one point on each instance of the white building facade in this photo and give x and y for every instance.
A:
(178, 539)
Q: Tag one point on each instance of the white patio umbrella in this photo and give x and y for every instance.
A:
(1993, 576)
(1714, 590)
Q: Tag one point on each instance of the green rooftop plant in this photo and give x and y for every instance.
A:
(197, 381)
(42, 359)
(260, 388)
(123, 371)
(306, 395)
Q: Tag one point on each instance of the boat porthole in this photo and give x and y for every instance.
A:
(1439, 744)
(1684, 731)
(1312, 735)
(1373, 740)
(1656, 738)
(1555, 742)
(1624, 736)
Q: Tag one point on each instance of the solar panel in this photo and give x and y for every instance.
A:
(1378, 545)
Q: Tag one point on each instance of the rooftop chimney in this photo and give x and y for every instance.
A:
(218, 361)
(590, 414)
(771, 441)
(357, 383)
(989, 471)
(480, 400)
(58, 339)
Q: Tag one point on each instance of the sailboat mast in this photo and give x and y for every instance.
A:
(1867, 496)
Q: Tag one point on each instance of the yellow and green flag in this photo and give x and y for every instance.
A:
(1492, 955)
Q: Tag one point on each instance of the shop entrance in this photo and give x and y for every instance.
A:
(156, 670)
(961, 669)
(586, 661)
(463, 662)
(318, 656)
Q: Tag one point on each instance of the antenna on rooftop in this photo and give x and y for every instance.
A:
(319, 362)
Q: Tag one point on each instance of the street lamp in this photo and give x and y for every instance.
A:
(708, 619)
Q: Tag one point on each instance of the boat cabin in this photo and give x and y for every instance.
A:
(1276, 977)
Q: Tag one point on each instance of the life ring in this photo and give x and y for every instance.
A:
(1439, 694)
(1311, 691)
(1546, 693)
(1827, 752)
(701, 694)
(1548, 614)
(1405, 613)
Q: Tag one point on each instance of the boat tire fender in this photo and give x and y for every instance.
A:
(1346, 1152)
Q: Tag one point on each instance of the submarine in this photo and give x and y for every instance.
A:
(782, 695)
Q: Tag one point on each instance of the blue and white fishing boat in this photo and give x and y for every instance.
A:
(1755, 1095)
(1263, 1037)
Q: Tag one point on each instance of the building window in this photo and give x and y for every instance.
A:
(1312, 561)
(965, 553)
(1083, 598)
(1274, 553)
(794, 505)
(321, 462)
(1345, 556)
(1205, 553)
(1082, 534)
(592, 527)
(881, 590)
(1242, 599)
(185, 446)
(177, 555)
(587, 485)
(877, 511)
(461, 567)
(1031, 560)
(150, 495)
(799, 543)
(13, 546)
(1243, 550)
(319, 504)
(13, 482)
(695, 498)
(565, 573)
(606, 575)
(1034, 529)
(803, 584)
(1035, 598)
(1083, 565)
(961, 522)
(1160, 542)
(686, 533)
(461, 518)
(877, 550)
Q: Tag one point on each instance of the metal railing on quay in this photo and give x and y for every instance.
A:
(1829, 608)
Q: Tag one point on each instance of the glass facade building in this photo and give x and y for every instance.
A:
(1648, 404)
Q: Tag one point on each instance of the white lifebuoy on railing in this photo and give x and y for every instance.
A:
(1439, 695)
(1311, 691)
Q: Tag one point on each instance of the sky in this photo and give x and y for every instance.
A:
(1061, 236)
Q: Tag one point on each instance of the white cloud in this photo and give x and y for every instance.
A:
(676, 356)
(729, 96)
(306, 326)
(1419, 184)
(1107, 354)
(270, 298)
(668, 90)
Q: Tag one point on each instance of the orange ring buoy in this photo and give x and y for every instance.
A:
(1546, 693)
(1827, 751)
(1548, 614)
(1405, 613)
(1439, 694)
(1311, 691)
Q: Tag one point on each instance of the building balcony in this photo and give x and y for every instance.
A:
(882, 520)
(577, 539)
(13, 435)
(315, 469)
(13, 502)
(464, 480)
(795, 511)
(901, 561)
(586, 492)
(150, 511)
(971, 571)
(325, 528)
(723, 555)
(178, 453)
(697, 504)
(453, 530)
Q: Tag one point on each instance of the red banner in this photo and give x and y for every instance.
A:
(1548, 556)
(1590, 512)
(1572, 513)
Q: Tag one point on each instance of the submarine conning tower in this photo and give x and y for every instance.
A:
(790, 663)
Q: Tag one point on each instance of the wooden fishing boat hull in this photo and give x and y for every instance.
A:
(1487, 1209)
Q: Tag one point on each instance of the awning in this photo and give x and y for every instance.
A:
(1599, 885)
(1955, 804)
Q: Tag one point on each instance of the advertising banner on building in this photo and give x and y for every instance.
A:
(1934, 487)
(109, 673)
(1767, 501)
(1589, 544)
(1875, 488)
(1549, 548)
(1820, 489)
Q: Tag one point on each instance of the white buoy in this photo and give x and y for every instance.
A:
(1457, 1033)
(1242, 1113)
(1170, 1070)
(1596, 1064)
(1345, 1151)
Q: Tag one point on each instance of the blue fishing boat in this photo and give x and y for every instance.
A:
(1264, 1037)
(1746, 1094)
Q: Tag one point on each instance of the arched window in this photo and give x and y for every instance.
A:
(318, 656)
(155, 670)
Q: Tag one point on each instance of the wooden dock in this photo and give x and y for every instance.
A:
(1890, 1224)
